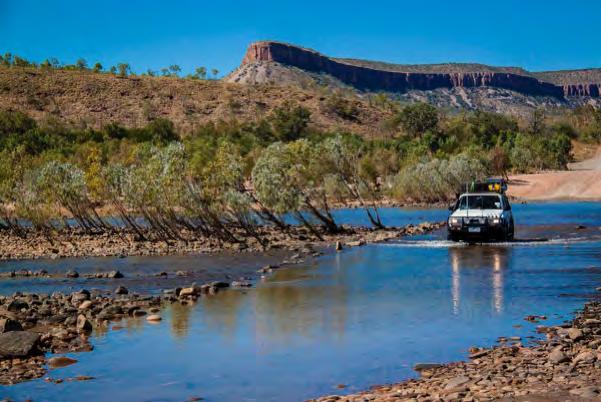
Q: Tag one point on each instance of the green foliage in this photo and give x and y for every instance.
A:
(290, 121)
(436, 180)
(418, 118)
(123, 70)
(342, 107)
(81, 64)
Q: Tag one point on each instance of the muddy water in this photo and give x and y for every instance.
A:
(356, 318)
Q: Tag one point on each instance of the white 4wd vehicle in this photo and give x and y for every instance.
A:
(482, 215)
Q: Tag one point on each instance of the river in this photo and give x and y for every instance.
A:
(356, 318)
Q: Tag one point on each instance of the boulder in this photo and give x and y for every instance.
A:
(60, 361)
(85, 305)
(83, 324)
(72, 274)
(121, 290)
(557, 357)
(586, 356)
(426, 366)
(575, 334)
(17, 305)
(18, 344)
(456, 382)
(241, 284)
(154, 318)
(191, 291)
(8, 325)
(114, 275)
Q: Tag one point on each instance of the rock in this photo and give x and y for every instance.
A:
(456, 382)
(60, 361)
(356, 243)
(587, 357)
(575, 334)
(586, 392)
(154, 318)
(191, 291)
(114, 275)
(18, 344)
(72, 274)
(85, 305)
(338, 246)
(591, 322)
(83, 324)
(241, 284)
(121, 290)
(219, 284)
(8, 325)
(426, 366)
(557, 357)
(17, 305)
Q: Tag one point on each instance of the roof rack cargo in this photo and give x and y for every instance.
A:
(488, 185)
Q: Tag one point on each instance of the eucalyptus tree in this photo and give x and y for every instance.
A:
(153, 187)
(344, 159)
(224, 184)
(288, 179)
(64, 185)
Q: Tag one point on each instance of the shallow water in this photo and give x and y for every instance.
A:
(358, 318)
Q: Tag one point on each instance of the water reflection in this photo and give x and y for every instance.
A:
(470, 258)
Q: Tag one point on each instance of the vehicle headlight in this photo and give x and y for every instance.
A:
(454, 221)
(496, 221)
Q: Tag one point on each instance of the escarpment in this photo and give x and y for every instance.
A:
(363, 76)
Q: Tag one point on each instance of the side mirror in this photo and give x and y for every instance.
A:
(451, 207)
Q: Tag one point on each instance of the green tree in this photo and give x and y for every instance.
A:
(418, 118)
(201, 73)
(97, 67)
(290, 121)
(124, 70)
(81, 64)
(175, 70)
(214, 72)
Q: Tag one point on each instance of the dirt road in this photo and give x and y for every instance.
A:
(581, 182)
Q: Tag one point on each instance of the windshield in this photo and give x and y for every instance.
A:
(480, 202)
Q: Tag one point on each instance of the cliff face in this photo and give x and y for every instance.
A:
(365, 78)
(592, 90)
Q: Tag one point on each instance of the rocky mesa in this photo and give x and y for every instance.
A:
(373, 76)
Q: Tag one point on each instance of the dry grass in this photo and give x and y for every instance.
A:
(93, 100)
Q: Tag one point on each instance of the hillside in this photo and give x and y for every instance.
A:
(91, 99)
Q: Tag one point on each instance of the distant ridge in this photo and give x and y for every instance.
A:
(380, 76)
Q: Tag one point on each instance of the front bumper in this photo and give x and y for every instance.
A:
(482, 231)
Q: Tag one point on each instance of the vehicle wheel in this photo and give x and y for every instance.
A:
(452, 237)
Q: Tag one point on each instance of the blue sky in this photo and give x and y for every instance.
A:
(534, 34)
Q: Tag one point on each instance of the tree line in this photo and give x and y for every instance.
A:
(228, 179)
(120, 69)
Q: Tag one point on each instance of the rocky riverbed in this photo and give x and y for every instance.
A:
(566, 365)
(76, 243)
(36, 330)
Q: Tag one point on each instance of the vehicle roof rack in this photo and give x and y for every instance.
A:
(493, 185)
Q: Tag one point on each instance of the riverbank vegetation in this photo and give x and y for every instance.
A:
(233, 174)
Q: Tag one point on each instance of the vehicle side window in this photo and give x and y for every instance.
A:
(463, 203)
